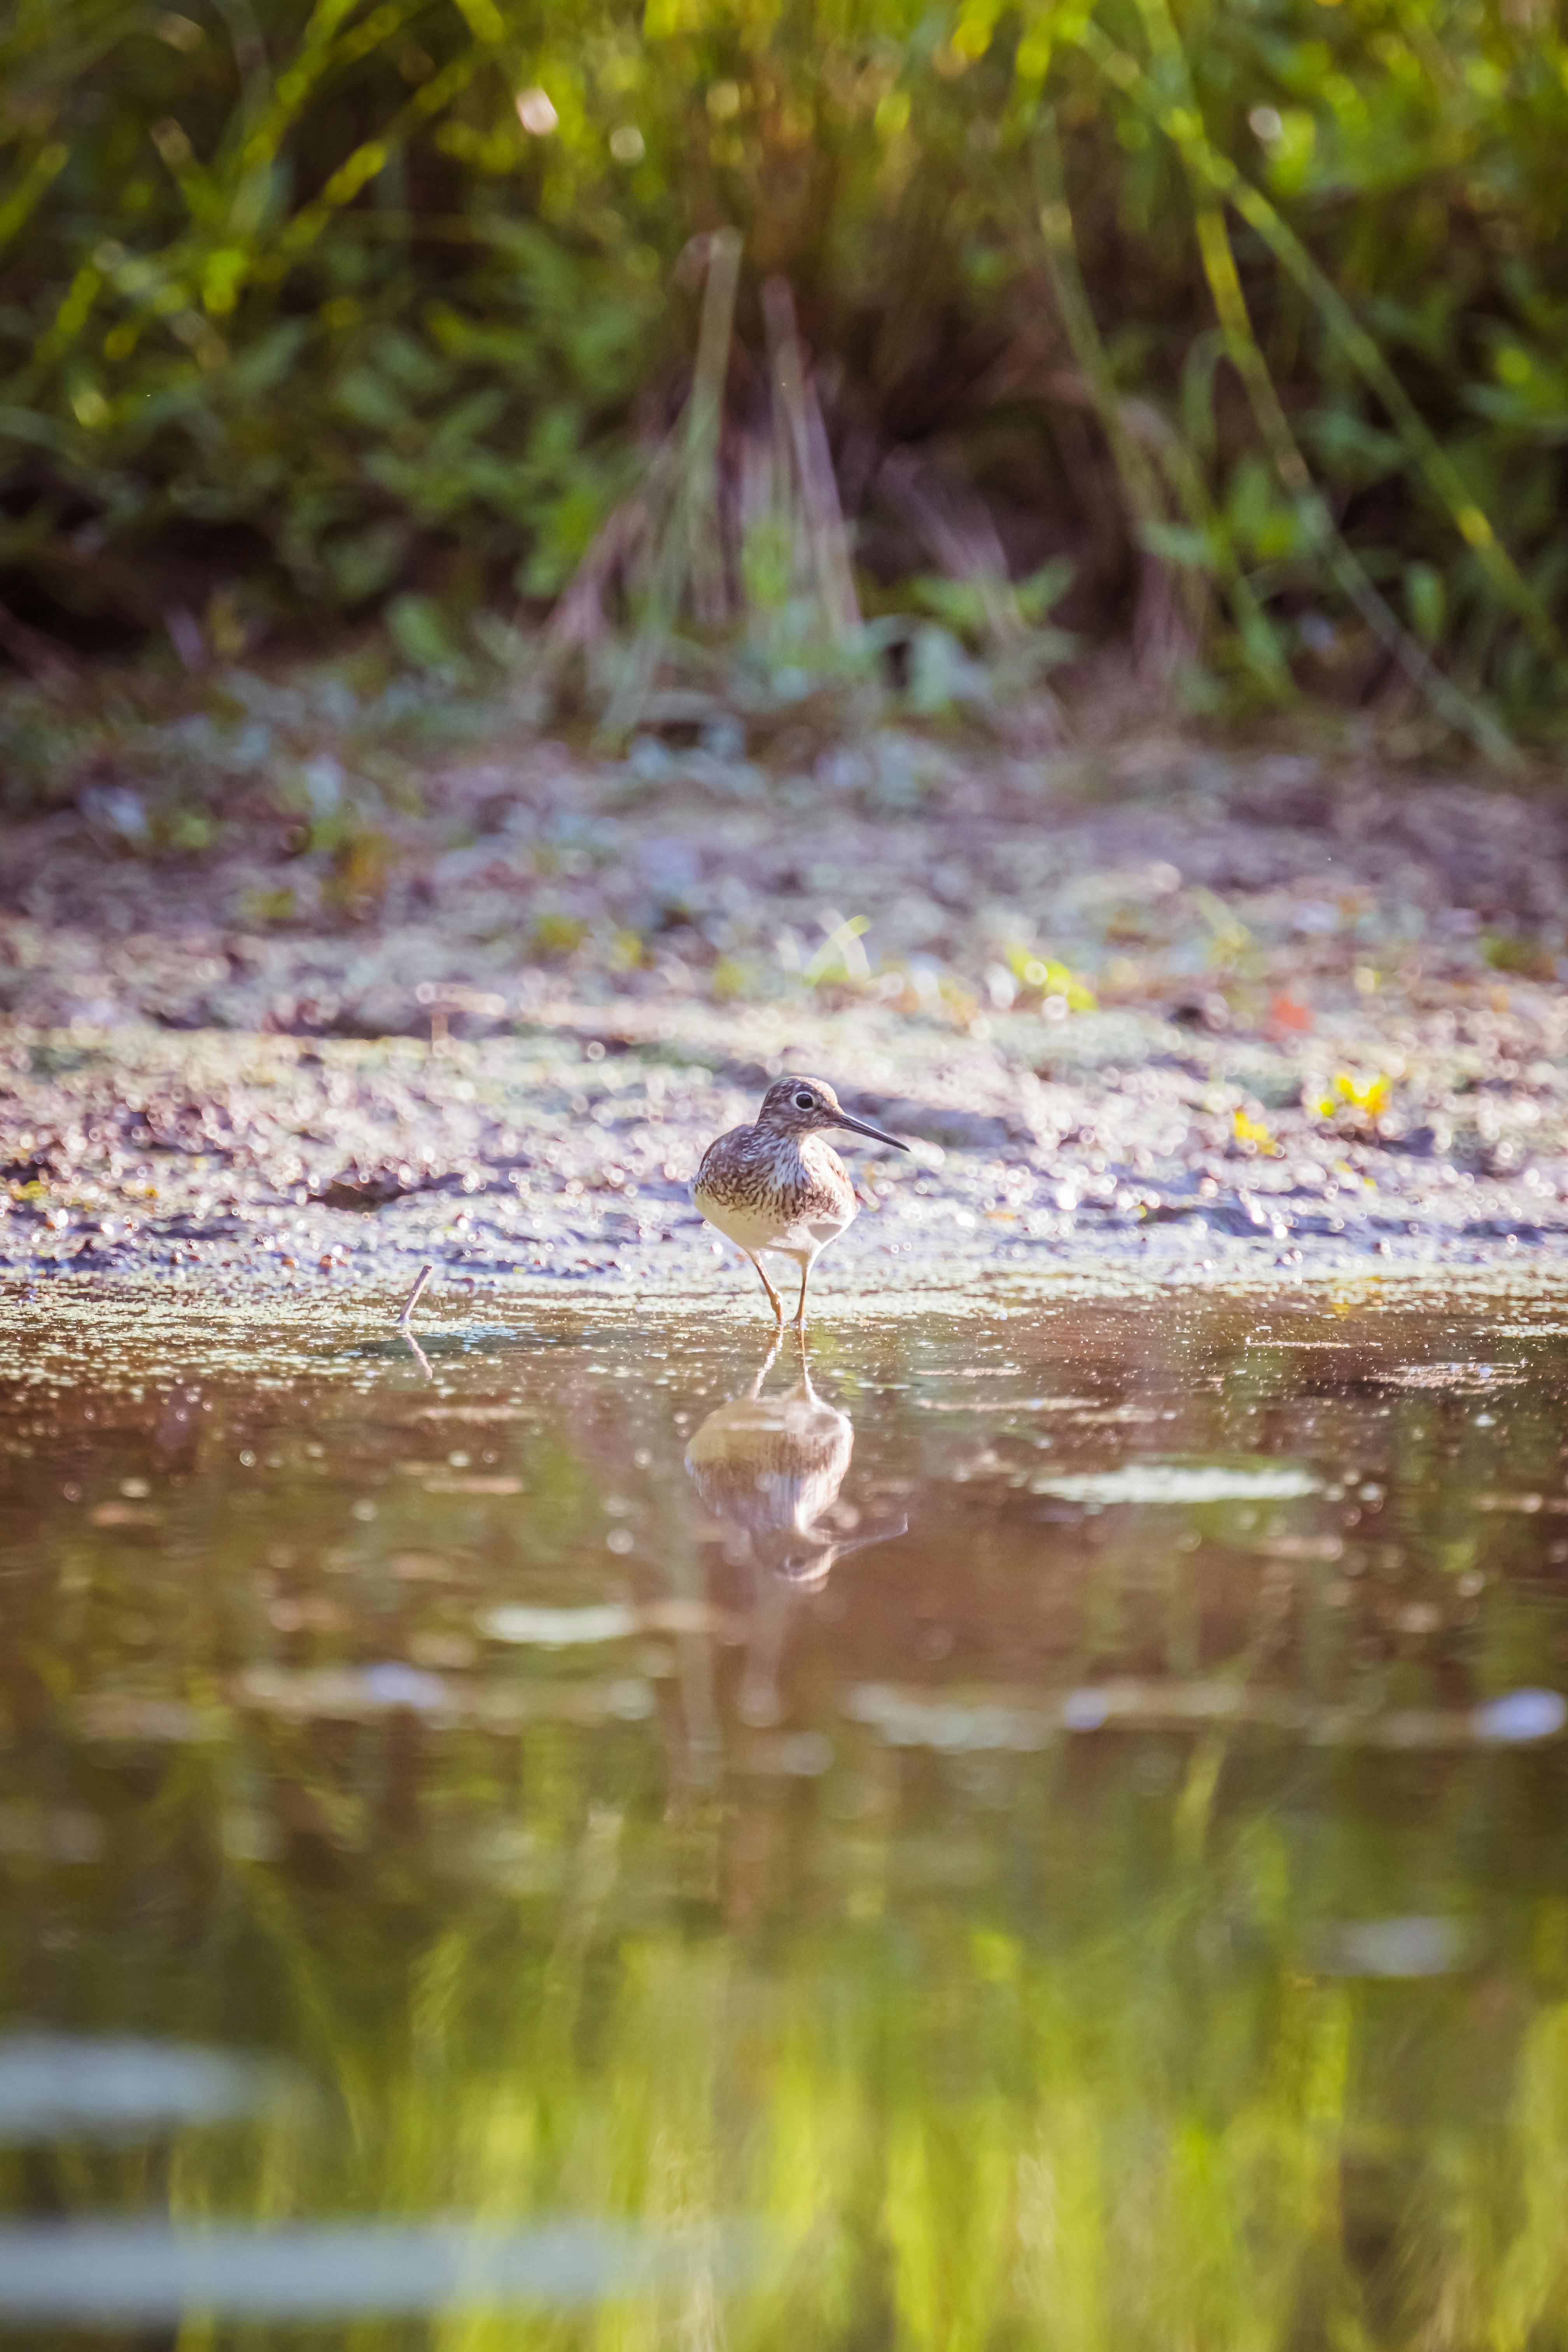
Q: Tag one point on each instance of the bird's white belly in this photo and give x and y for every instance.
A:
(756, 1226)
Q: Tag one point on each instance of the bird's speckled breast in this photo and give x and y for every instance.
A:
(779, 1181)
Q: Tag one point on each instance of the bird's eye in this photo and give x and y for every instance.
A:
(803, 1102)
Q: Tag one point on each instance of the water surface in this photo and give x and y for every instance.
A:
(1037, 1830)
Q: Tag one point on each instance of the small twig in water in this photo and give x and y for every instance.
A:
(415, 1296)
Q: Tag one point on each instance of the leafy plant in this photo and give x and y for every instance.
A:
(1253, 311)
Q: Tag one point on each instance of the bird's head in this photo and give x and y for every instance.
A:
(795, 1106)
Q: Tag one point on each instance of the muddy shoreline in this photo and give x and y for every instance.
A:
(1157, 1011)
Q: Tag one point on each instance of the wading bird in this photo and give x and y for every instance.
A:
(778, 1185)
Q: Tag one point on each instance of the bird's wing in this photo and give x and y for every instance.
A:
(720, 1143)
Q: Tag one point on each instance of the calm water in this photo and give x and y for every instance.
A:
(1040, 1832)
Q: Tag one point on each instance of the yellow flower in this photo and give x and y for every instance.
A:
(1252, 1130)
(1368, 1095)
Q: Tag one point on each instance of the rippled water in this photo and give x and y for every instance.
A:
(1036, 1830)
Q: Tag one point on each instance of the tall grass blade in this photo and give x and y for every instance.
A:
(686, 542)
(1182, 124)
(800, 417)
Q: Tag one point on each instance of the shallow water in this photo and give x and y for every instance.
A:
(1046, 1829)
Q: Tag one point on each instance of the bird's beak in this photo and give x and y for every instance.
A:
(864, 1127)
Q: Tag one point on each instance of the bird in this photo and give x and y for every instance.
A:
(778, 1185)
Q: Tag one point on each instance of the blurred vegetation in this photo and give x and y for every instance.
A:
(1248, 320)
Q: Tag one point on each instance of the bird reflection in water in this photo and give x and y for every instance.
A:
(768, 1469)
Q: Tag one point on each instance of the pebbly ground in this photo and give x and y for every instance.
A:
(1146, 1004)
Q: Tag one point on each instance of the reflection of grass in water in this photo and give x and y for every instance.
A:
(1131, 2138)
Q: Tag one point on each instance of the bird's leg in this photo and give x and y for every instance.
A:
(800, 1310)
(775, 1301)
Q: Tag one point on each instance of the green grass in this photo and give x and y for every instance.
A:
(1254, 311)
